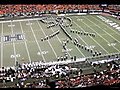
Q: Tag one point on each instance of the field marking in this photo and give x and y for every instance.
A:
(76, 46)
(57, 35)
(11, 43)
(80, 51)
(105, 32)
(43, 52)
(20, 20)
(25, 43)
(108, 27)
(100, 35)
(2, 47)
(14, 45)
(80, 37)
(112, 44)
(92, 38)
(36, 41)
(47, 40)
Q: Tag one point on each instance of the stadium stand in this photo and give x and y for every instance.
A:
(36, 71)
(63, 76)
(17, 9)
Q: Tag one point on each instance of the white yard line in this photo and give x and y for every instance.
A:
(80, 37)
(11, 44)
(80, 51)
(25, 43)
(91, 37)
(105, 32)
(75, 46)
(102, 37)
(58, 37)
(47, 40)
(36, 41)
(108, 27)
(14, 45)
(78, 48)
(2, 46)
(20, 20)
(116, 20)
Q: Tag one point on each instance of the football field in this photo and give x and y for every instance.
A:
(20, 40)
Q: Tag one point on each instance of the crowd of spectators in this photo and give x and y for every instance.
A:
(106, 77)
(32, 70)
(36, 70)
(22, 8)
(35, 9)
(113, 7)
(61, 74)
(14, 9)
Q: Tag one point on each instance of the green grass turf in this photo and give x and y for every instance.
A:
(32, 44)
